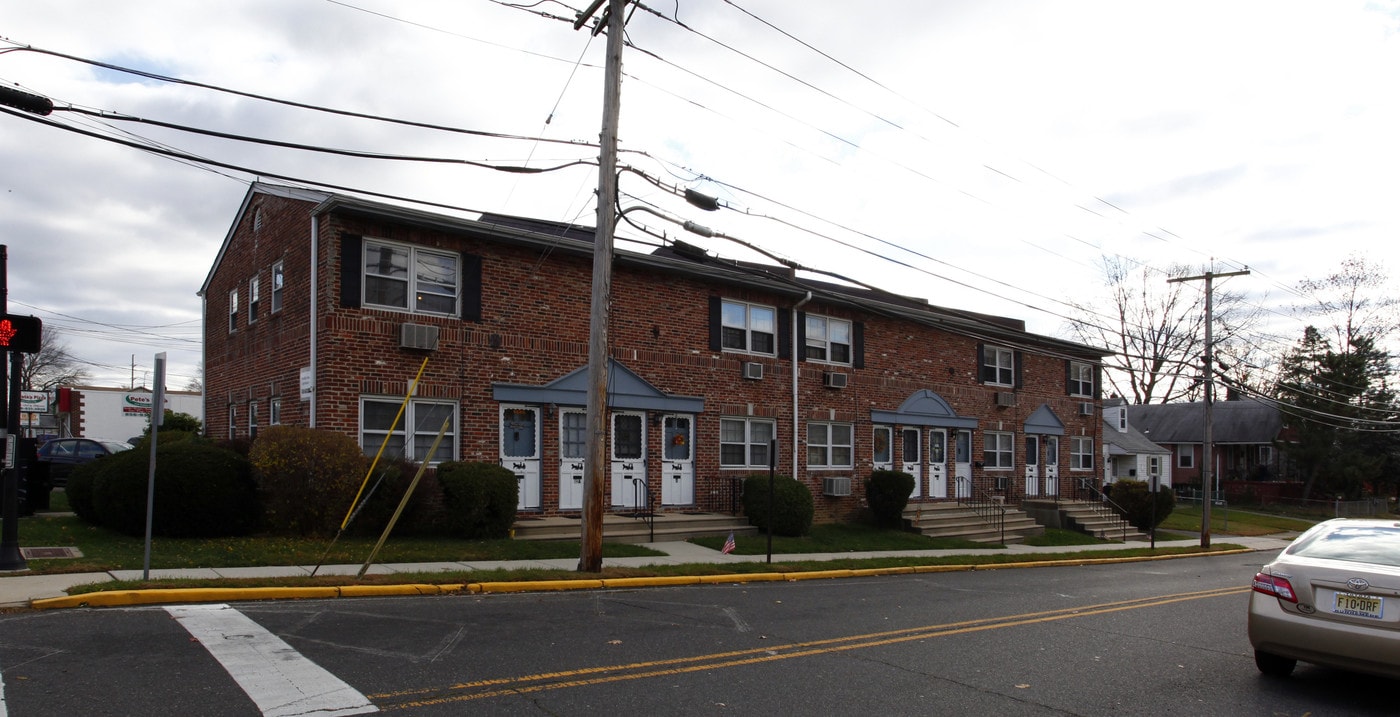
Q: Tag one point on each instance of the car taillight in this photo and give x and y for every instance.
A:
(1278, 587)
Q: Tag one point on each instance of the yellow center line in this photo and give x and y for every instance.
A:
(480, 689)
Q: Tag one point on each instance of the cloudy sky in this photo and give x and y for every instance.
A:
(981, 154)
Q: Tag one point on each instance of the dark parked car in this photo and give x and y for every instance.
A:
(61, 455)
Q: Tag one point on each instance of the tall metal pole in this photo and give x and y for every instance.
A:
(1207, 440)
(595, 477)
(10, 556)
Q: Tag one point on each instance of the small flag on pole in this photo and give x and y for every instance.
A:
(728, 544)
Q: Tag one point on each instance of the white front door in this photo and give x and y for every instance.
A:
(520, 452)
(962, 464)
(678, 460)
(882, 457)
(938, 463)
(1032, 465)
(1052, 465)
(573, 449)
(911, 460)
(629, 467)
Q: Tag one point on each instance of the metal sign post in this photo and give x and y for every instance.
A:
(157, 418)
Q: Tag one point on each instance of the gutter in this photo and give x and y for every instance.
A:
(796, 443)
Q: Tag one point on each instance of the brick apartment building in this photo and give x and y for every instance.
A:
(320, 310)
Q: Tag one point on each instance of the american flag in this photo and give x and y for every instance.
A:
(728, 544)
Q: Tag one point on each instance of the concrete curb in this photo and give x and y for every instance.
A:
(126, 598)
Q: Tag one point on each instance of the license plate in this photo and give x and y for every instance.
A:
(1358, 605)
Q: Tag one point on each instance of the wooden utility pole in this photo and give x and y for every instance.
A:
(595, 477)
(1207, 441)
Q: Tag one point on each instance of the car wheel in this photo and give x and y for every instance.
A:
(1274, 665)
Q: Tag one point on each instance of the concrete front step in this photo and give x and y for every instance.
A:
(1088, 518)
(952, 520)
(625, 528)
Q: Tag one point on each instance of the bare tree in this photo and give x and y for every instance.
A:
(52, 366)
(1355, 302)
(1156, 329)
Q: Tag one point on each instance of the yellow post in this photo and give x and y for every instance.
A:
(404, 502)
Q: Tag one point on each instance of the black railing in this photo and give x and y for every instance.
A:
(641, 503)
(1103, 506)
(990, 508)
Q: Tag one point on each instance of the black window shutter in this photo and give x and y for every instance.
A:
(715, 322)
(471, 287)
(1098, 376)
(801, 336)
(1069, 377)
(858, 345)
(1016, 367)
(351, 269)
(785, 333)
(981, 363)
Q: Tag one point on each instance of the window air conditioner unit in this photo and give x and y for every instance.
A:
(1006, 398)
(753, 370)
(418, 336)
(837, 486)
(834, 379)
(1086, 408)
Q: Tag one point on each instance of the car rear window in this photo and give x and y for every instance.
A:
(1375, 544)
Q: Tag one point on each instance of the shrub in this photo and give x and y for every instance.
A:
(200, 491)
(793, 509)
(385, 490)
(1134, 499)
(887, 492)
(479, 499)
(306, 478)
(81, 484)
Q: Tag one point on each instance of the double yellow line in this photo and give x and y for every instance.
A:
(499, 687)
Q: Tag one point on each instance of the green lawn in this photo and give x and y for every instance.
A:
(1234, 522)
(843, 538)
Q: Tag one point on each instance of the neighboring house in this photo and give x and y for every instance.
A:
(1244, 437)
(320, 310)
(1128, 453)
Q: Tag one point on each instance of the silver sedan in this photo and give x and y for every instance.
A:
(1331, 598)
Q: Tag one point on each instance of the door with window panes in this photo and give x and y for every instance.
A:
(573, 449)
(938, 463)
(629, 466)
(1052, 465)
(962, 464)
(1032, 466)
(911, 458)
(882, 443)
(678, 460)
(520, 451)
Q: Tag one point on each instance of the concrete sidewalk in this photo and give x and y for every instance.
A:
(21, 589)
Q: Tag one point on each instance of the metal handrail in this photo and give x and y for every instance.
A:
(1105, 507)
(985, 505)
(643, 504)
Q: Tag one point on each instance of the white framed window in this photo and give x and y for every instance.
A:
(998, 450)
(274, 411)
(414, 436)
(748, 328)
(1185, 455)
(998, 366)
(254, 294)
(1081, 379)
(278, 283)
(1266, 455)
(232, 421)
(252, 419)
(233, 311)
(830, 445)
(1081, 453)
(1154, 465)
(744, 442)
(411, 278)
(828, 340)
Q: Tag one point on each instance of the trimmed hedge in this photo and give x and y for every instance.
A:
(793, 508)
(479, 499)
(307, 478)
(385, 491)
(201, 491)
(1134, 497)
(887, 493)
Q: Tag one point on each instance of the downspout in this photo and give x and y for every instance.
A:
(315, 291)
(796, 443)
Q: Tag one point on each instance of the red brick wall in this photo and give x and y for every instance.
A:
(534, 329)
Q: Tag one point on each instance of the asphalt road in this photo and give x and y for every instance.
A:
(1153, 638)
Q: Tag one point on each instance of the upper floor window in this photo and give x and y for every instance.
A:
(254, 294)
(828, 339)
(278, 280)
(411, 278)
(748, 327)
(233, 310)
(1185, 455)
(998, 366)
(1081, 379)
(829, 445)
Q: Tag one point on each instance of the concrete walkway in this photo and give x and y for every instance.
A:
(22, 589)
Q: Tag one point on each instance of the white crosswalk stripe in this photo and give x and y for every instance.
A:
(280, 681)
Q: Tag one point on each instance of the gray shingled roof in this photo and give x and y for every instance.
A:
(1243, 421)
